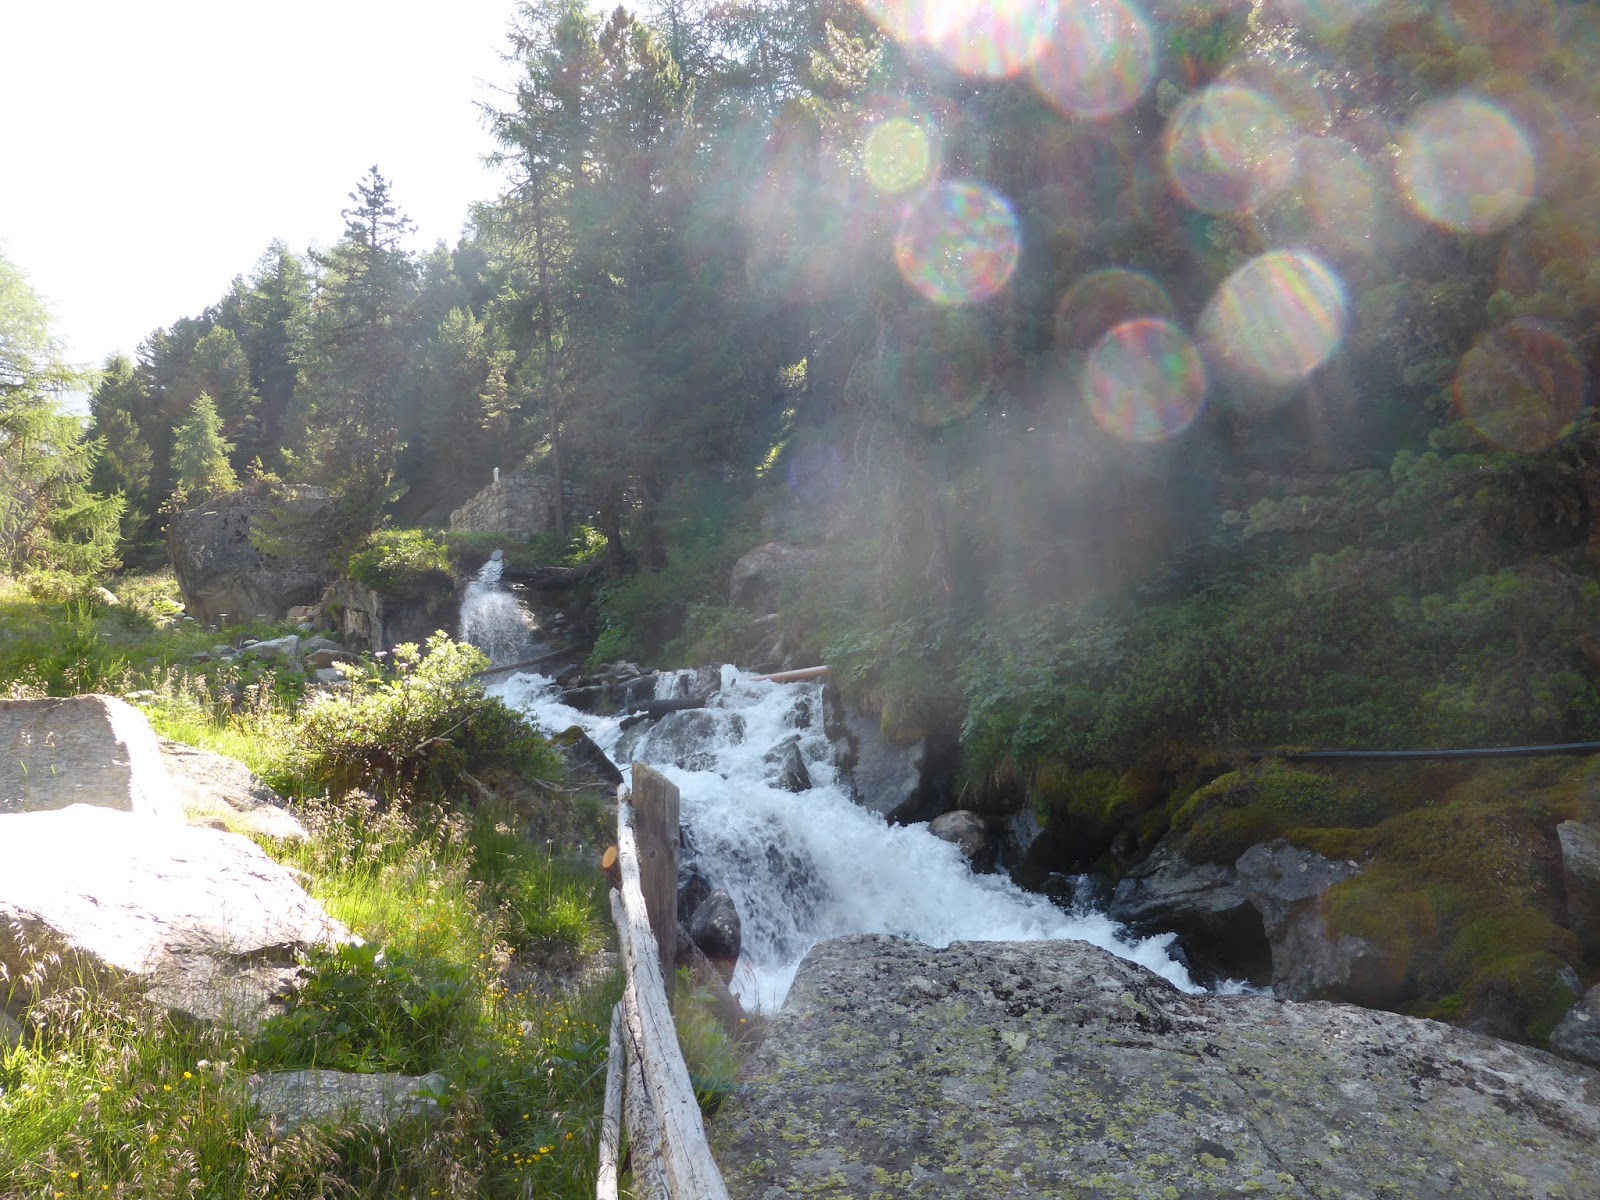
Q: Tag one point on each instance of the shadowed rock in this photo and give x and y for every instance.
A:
(1018, 1070)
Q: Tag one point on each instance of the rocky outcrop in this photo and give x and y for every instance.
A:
(901, 783)
(584, 759)
(290, 1099)
(1016, 1070)
(1285, 884)
(521, 504)
(366, 619)
(201, 921)
(786, 756)
(1221, 930)
(761, 576)
(220, 571)
(82, 750)
(1580, 869)
(1578, 1035)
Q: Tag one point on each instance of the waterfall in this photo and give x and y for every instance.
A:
(493, 621)
(814, 865)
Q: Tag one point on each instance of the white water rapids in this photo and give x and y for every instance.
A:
(813, 865)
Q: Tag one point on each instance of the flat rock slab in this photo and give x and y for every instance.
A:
(82, 750)
(290, 1099)
(202, 921)
(214, 786)
(1006, 1070)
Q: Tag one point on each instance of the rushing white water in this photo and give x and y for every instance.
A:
(493, 621)
(814, 865)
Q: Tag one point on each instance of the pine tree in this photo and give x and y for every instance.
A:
(200, 455)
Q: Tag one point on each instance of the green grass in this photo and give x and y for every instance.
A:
(109, 1097)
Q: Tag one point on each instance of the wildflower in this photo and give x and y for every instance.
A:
(186, 1075)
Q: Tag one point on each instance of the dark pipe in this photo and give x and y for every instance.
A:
(1312, 756)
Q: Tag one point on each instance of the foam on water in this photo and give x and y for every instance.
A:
(806, 867)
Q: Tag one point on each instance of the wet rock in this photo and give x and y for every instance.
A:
(219, 569)
(94, 749)
(1577, 1037)
(1580, 866)
(202, 922)
(792, 775)
(1010, 1071)
(900, 783)
(715, 927)
(290, 1099)
(684, 738)
(1285, 884)
(693, 888)
(1202, 903)
(1027, 849)
(569, 674)
(965, 829)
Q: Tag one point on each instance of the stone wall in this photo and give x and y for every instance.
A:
(519, 504)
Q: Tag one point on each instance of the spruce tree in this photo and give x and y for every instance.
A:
(200, 455)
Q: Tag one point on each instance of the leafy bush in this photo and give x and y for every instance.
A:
(469, 549)
(401, 562)
(413, 733)
(359, 1008)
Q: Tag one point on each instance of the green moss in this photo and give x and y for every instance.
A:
(402, 562)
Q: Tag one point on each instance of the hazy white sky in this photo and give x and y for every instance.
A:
(150, 149)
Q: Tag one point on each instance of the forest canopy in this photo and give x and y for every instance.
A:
(1161, 374)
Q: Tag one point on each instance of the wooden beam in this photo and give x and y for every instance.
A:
(655, 806)
(605, 1183)
(691, 1171)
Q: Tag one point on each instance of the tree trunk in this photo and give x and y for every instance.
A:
(542, 250)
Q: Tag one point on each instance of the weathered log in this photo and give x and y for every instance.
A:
(794, 676)
(655, 806)
(691, 1172)
(605, 1182)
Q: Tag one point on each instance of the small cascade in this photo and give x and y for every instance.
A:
(493, 620)
(809, 866)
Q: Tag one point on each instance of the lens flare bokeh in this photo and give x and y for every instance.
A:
(1101, 60)
(898, 155)
(1324, 16)
(957, 243)
(1520, 386)
(1279, 316)
(992, 39)
(1332, 203)
(1229, 149)
(1103, 299)
(1144, 381)
(1466, 165)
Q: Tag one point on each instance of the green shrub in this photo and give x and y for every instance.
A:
(413, 733)
(402, 562)
(361, 1008)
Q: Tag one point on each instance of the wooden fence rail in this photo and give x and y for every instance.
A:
(667, 1146)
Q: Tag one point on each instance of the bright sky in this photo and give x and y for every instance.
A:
(150, 150)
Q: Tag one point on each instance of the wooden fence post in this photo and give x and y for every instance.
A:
(655, 808)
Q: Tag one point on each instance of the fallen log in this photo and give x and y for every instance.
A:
(605, 1185)
(794, 676)
(554, 577)
(525, 663)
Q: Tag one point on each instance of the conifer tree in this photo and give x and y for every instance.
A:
(200, 455)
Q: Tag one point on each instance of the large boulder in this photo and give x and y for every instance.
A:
(221, 572)
(290, 1099)
(966, 830)
(215, 789)
(82, 750)
(761, 576)
(1285, 884)
(901, 783)
(201, 921)
(1015, 1070)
